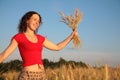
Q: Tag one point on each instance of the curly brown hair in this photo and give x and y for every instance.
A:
(23, 22)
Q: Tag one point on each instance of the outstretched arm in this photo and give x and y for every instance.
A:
(12, 46)
(61, 45)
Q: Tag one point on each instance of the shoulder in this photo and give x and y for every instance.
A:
(18, 36)
(40, 37)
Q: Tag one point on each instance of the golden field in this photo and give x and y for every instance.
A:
(72, 72)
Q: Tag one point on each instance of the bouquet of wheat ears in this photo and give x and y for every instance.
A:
(72, 21)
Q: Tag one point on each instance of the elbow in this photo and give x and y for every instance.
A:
(58, 48)
(53, 49)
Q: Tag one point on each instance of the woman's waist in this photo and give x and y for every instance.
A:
(34, 67)
(31, 62)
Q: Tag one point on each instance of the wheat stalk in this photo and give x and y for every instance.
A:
(106, 72)
(72, 21)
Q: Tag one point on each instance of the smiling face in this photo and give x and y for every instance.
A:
(30, 21)
(33, 23)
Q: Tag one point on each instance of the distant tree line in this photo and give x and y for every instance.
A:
(17, 64)
(61, 62)
(12, 65)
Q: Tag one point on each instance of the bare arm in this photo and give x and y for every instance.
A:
(12, 46)
(61, 45)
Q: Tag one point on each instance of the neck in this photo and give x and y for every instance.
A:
(30, 32)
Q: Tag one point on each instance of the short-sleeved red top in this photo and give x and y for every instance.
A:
(30, 52)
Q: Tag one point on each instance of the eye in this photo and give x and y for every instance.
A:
(35, 19)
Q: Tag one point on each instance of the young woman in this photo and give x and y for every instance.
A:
(30, 46)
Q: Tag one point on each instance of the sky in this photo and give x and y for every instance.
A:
(99, 30)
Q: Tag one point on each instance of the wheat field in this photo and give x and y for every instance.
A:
(72, 72)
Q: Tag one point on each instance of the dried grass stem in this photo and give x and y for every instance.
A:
(72, 21)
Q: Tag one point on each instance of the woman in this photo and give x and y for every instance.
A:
(30, 46)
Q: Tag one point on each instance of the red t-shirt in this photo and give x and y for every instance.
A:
(30, 52)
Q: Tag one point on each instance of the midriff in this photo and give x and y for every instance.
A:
(35, 67)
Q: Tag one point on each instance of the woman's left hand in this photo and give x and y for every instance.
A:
(75, 33)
